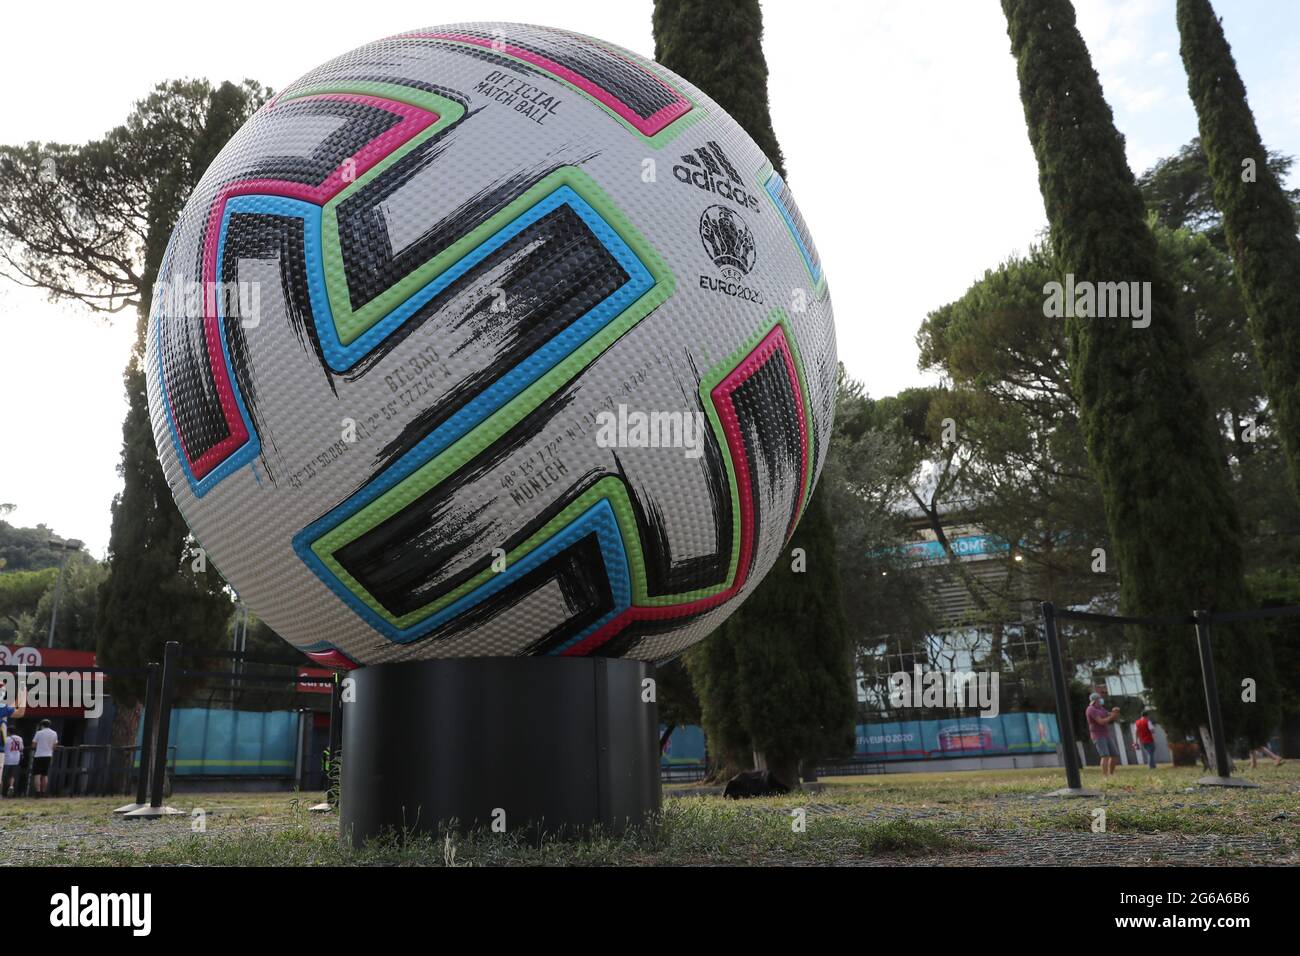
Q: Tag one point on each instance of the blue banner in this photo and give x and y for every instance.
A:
(212, 742)
(965, 546)
(1013, 733)
(685, 747)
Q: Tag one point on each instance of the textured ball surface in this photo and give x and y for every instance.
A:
(491, 339)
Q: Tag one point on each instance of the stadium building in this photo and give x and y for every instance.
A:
(966, 641)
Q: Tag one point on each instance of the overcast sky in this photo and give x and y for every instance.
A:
(900, 121)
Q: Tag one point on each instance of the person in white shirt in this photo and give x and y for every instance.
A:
(44, 741)
(13, 764)
(8, 713)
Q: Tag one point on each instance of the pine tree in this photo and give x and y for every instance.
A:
(127, 188)
(1258, 217)
(778, 672)
(1146, 424)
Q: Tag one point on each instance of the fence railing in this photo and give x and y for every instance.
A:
(87, 770)
(682, 773)
(1200, 620)
(851, 768)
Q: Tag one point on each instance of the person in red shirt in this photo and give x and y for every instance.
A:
(1145, 738)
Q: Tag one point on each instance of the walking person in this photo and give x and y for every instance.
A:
(1099, 721)
(13, 765)
(43, 743)
(1254, 757)
(1145, 738)
(8, 713)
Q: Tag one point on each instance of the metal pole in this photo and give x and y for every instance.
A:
(1217, 737)
(299, 754)
(146, 736)
(58, 593)
(171, 660)
(1061, 688)
(336, 734)
(336, 713)
(243, 648)
(234, 650)
(332, 746)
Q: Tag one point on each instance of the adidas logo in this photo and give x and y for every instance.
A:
(708, 168)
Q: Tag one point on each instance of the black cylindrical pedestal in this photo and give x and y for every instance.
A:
(543, 744)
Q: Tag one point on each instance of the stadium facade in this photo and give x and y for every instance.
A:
(984, 622)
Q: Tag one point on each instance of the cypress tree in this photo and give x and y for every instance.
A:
(153, 594)
(718, 46)
(778, 671)
(1258, 218)
(1146, 425)
(716, 680)
(793, 655)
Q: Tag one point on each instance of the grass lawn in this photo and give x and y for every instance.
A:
(974, 818)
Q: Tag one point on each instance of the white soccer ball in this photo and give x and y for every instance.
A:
(488, 340)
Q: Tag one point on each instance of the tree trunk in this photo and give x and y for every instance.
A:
(1258, 220)
(126, 724)
(1208, 753)
(1290, 736)
(785, 769)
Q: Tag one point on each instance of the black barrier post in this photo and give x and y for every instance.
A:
(1218, 740)
(150, 728)
(158, 769)
(1064, 723)
(336, 715)
(1211, 693)
(146, 741)
(164, 722)
(335, 738)
(330, 802)
(300, 752)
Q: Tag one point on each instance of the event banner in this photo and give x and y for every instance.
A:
(1013, 733)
